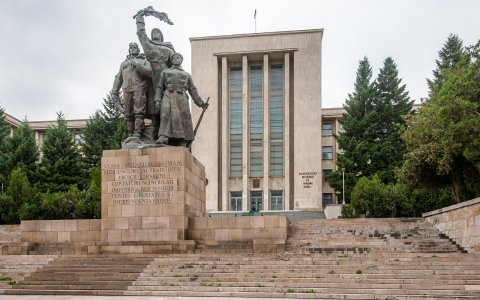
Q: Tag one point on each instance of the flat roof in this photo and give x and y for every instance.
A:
(233, 36)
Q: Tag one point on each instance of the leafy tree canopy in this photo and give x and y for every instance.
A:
(443, 138)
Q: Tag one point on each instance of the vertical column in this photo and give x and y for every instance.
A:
(266, 133)
(224, 197)
(286, 137)
(245, 133)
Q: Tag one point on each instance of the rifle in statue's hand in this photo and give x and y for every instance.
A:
(201, 117)
(198, 123)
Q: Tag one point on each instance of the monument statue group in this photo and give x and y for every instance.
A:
(155, 87)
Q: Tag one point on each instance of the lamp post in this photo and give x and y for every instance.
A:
(343, 186)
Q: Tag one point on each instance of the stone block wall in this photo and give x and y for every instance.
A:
(60, 231)
(267, 233)
(53, 235)
(460, 222)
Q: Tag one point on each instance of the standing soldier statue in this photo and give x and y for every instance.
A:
(171, 99)
(158, 54)
(134, 77)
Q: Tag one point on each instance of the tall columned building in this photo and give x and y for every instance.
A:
(260, 138)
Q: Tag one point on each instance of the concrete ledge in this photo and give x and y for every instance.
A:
(451, 207)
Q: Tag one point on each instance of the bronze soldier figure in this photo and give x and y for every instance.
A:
(158, 54)
(134, 77)
(171, 99)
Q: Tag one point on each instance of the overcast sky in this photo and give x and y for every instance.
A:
(62, 55)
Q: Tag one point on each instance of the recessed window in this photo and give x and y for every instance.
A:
(327, 199)
(235, 116)
(276, 119)
(256, 200)
(327, 152)
(276, 200)
(256, 121)
(327, 129)
(236, 201)
(326, 173)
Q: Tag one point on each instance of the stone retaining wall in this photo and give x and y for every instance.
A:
(59, 236)
(267, 233)
(460, 222)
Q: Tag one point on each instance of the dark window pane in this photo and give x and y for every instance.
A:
(235, 116)
(327, 152)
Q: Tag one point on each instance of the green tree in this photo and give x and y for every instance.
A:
(368, 198)
(450, 54)
(106, 129)
(374, 199)
(19, 191)
(22, 150)
(62, 165)
(4, 133)
(443, 137)
(392, 104)
(354, 140)
(370, 141)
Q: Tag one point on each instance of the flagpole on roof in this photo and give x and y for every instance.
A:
(255, 18)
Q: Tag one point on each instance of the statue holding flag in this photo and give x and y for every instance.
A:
(158, 55)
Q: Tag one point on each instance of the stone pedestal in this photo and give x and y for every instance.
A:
(147, 197)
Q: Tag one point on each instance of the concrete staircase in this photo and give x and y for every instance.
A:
(316, 276)
(83, 275)
(367, 235)
(17, 267)
(401, 259)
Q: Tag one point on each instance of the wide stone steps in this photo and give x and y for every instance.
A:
(324, 276)
(367, 235)
(84, 275)
(367, 276)
(385, 259)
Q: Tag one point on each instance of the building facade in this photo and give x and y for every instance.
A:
(260, 139)
(39, 128)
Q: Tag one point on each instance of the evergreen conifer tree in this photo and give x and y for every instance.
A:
(370, 142)
(23, 150)
(4, 133)
(392, 104)
(357, 135)
(61, 165)
(450, 54)
(106, 129)
(4, 127)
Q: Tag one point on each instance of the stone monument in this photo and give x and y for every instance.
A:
(150, 190)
